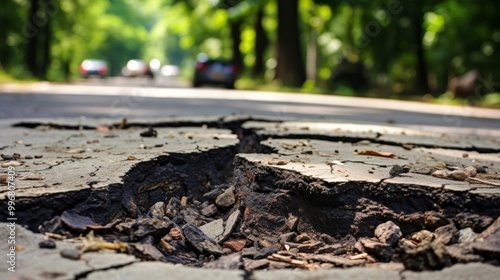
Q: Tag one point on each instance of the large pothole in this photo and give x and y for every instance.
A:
(303, 203)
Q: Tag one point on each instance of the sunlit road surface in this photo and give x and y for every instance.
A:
(142, 98)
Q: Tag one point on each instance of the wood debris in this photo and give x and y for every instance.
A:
(377, 153)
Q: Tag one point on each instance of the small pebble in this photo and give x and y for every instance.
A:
(38, 156)
(28, 157)
(465, 155)
(71, 253)
(47, 244)
(397, 169)
(6, 157)
(16, 155)
(151, 132)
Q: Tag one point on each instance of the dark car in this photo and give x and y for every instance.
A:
(214, 72)
(137, 68)
(93, 67)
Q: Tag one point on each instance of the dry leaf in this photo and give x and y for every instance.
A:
(102, 128)
(75, 151)
(377, 153)
(279, 162)
(33, 176)
(11, 163)
(81, 156)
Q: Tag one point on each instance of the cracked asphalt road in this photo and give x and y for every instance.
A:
(78, 162)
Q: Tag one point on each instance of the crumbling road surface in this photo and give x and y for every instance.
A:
(244, 197)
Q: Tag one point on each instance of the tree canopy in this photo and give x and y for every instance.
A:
(398, 45)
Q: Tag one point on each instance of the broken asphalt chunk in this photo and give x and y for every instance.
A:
(232, 261)
(209, 211)
(236, 245)
(200, 241)
(427, 256)
(214, 229)
(76, 222)
(154, 227)
(146, 252)
(388, 232)
(383, 251)
(226, 198)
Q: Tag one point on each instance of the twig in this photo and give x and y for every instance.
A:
(476, 180)
(359, 256)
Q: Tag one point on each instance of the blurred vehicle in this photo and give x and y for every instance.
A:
(214, 72)
(93, 67)
(137, 68)
(170, 70)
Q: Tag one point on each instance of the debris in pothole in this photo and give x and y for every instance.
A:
(227, 198)
(272, 227)
(75, 221)
(388, 232)
(427, 256)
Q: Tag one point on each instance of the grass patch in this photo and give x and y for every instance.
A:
(6, 78)
(491, 100)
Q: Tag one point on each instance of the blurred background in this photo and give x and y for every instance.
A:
(431, 50)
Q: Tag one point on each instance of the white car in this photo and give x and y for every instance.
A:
(137, 68)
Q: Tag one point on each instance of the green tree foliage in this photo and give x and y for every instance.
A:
(404, 46)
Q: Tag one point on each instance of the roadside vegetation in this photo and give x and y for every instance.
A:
(434, 51)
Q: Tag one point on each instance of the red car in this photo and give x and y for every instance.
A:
(93, 67)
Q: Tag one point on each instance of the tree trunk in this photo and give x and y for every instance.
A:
(31, 32)
(261, 43)
(422, 83)
(66, 69)
(46, 57)
(312, 56)
(236, 37)
(290, 69)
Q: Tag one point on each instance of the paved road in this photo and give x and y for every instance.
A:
(118, 98)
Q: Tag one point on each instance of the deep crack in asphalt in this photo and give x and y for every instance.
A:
(273, 201)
